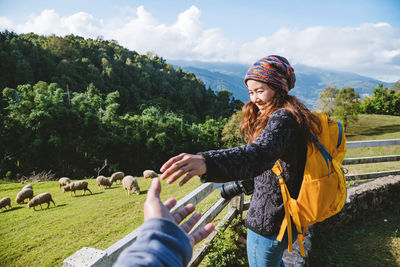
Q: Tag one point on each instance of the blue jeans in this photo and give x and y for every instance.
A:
(266, 251)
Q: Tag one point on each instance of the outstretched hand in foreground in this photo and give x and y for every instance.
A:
(188, 164)
(154, 208)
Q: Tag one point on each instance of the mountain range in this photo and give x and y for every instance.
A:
(310, 81)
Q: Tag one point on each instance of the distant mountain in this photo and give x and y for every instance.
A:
(310, 81)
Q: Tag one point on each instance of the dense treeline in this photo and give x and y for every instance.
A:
(141, 80)
(383, 101)
(69, 104)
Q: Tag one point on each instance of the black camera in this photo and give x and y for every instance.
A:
(231, 189)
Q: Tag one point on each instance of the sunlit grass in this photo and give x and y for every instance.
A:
(373, 127)
(46, 237)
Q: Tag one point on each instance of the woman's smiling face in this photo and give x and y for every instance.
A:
(260, 93)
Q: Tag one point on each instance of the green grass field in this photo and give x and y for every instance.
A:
(46, 237)
(373, 127)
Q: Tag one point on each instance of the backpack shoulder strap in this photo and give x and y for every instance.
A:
(323, 151)
(340, 134)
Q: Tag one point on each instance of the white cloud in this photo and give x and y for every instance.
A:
(370, 49)
(5, 23)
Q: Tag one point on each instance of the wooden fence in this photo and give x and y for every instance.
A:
(95, 257)
(377, 159)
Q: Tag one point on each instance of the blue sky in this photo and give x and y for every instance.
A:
(358, 36)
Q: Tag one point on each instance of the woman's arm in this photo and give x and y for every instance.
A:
(237, 163)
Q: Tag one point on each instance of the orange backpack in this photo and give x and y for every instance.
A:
(323, 190)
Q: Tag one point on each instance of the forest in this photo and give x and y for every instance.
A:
(70, 105)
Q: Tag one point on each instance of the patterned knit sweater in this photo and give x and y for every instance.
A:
(281, 139)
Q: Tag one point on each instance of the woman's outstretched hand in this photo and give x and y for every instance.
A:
(154, 208)
(188, 164)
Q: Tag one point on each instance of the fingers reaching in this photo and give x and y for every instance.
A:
(154, 208)
(188, 225)
(170, 203)
(188, 164)
(181, 214)
(201, 234)
(155, 189)
(188, 176)
(171, 161)
(175, 176)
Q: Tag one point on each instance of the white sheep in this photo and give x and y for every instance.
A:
(24, 194)
(40, 199)
(27, 186)
(4, 202)
(117, 176)
(79, 185)
(130, 183)
(149, 174)
(102, 181)
(64, 181)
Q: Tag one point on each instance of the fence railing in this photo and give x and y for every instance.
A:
(376, 159)
(94, 257)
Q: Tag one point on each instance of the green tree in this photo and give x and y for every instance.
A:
(231, 135)
(347, 106)
(327, 101)
(383, 101)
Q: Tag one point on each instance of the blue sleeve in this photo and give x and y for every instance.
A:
(159, 243)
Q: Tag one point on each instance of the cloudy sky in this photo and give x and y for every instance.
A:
(361, 36)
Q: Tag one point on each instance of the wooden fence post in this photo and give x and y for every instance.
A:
(237, 204)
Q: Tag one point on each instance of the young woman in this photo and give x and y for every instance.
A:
(278, 127)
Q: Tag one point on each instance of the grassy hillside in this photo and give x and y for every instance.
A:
(373, 127)
(46, 237)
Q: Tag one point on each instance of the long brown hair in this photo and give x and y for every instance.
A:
(253, 121)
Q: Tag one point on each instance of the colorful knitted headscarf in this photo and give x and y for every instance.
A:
(274, 71)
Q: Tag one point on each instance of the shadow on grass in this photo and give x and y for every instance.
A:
(107, 188)
(113, 187)
(381, 130)
(364, 242)
(87, 194)
(144, 192)
(13, 208)
(134, 194)
(44, 207)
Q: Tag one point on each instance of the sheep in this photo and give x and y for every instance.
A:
(64, 181)
(4, 202)
(130, 183)
(40, 199)
(27, 186)
(79, 185)
(117, 176)
(103, 181)
(149, 174)
(24, 194)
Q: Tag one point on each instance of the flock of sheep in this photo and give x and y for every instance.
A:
(129, 183)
